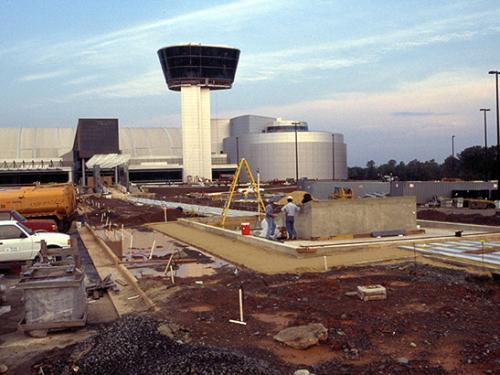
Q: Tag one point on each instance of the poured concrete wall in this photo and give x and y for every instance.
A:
(356, 216)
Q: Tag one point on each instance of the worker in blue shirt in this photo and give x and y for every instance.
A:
(271, 225)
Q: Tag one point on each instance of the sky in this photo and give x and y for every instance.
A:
(397, 77)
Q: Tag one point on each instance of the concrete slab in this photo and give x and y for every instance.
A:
(308, 248)
(250, 253)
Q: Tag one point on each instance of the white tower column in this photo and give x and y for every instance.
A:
(196, 142)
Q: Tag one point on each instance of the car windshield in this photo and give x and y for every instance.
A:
(26, 229)
(18, 216)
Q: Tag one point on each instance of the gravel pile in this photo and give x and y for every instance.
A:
(133, 345)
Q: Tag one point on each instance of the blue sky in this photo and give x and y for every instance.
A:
(396, 77)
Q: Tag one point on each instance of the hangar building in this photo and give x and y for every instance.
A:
(56, 154)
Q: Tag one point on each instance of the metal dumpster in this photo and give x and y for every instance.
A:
(54, 298)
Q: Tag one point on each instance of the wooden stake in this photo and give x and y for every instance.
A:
(325, 262)
(168, 264)
(172, 274)
(482, 253)
(240, 295)
(131, 241)
(414, 257)
(165, 213)
(240, 298)
(152, 249)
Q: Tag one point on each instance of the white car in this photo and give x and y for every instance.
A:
(19, 243)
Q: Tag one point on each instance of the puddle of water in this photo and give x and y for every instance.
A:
(206, 267)
(205, 264)
(145, 271)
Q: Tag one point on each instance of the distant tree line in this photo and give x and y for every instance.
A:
(473, 163)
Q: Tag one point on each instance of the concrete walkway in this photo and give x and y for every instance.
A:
(272, 262)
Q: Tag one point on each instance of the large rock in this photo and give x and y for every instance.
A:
(303, 337)
(302, 372)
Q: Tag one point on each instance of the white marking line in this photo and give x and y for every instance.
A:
(458, 252)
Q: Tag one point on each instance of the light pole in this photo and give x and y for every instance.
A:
(453, 146)
(296, 154)
(484, 110)
(496, 73)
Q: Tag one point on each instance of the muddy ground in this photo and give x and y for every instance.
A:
(434, 321)
(126, 213)
(204, 195)
(467, 216)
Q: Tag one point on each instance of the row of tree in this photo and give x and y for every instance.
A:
(473, 163)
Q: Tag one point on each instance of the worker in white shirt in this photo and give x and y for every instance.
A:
(290, 209)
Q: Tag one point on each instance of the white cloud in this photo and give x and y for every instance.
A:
(83, 79)
(451, 102)
(150, 36)
(148, 84)
(43, 76)
(445, 97)
(339, 54)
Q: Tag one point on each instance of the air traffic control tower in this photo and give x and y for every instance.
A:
(194, 70)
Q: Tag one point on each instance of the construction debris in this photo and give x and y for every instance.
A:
(297, 196)
(372, 292)
(98, 289)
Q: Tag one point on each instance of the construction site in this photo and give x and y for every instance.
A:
(204, 251)
(180, 279)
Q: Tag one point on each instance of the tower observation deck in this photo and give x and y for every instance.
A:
(194, 70)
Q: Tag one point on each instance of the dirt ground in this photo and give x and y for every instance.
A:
(460, 215)
(122, 212)
(434, 321)
(200, 195)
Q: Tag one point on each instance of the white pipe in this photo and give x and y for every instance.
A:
(172, 274)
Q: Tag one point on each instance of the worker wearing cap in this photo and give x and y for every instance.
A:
(271, 225)
(290, 209)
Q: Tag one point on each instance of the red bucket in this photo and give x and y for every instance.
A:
(245, 229)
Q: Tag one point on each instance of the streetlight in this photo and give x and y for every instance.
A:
(296, 154)
(484, 110)
(453, 146)
(453, 154)
(496, 73)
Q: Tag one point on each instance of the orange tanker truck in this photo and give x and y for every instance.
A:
(55, 201)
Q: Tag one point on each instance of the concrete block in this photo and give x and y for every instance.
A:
(372, 292)
(348, 217)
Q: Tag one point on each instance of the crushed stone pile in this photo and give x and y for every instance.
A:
(133, 345)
